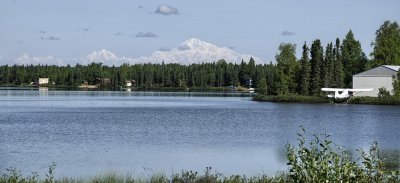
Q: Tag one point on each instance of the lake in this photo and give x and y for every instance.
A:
(90, 132)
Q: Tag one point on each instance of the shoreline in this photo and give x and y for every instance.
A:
(392, 100)
(300, 99)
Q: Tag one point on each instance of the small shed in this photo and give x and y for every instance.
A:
(378, 77)
(43, 81)
(128, 83)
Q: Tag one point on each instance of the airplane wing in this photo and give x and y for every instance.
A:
(332, 89)
(361, 89)
(348, 89)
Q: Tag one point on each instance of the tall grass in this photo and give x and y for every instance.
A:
(315, 160)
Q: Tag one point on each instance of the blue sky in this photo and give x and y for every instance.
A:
(134, 28)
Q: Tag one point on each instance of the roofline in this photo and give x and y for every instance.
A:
(385, 66)
(372, 76)
(389, 67)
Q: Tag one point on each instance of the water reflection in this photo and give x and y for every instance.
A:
(43, 91)
(88, 132)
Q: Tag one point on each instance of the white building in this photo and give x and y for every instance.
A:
(128, 83)
(376, 78)
(43, 81)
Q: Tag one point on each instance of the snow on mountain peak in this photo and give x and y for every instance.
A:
(194, 50)
(194, 43)
(102, 55)
(191, 51)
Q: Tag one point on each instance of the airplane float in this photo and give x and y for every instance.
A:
(342, 94)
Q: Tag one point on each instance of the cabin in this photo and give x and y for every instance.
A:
(43, 81)
(128, 83)
(103, 81)
(378, 77)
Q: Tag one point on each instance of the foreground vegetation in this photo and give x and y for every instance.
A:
(317, 160)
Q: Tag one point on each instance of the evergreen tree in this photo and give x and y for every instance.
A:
(304, 71)
(387, 44)
(262, 86)
(337, 66)
(243, 73)
(327, 67)
(251, 68)
(352, 58)
(316, 62)
(271, 74)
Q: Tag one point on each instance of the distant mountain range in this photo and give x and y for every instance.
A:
(189, 52)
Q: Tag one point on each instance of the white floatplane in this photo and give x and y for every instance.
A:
(343, 93)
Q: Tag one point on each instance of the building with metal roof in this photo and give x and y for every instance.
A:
(43, 81)
(378, 77)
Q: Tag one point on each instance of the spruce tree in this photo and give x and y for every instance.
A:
(352, 58)
(337, 66)
(316, 62)
(327, 67)
(304, 71)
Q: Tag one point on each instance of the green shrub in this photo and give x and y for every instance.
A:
(291, 99)
(383, 93)
(320, 161)
(390, 100)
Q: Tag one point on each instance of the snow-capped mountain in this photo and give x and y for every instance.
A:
(190, 51)
(195, 51)
(104, 56)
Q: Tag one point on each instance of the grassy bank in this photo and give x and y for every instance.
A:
(290, 99)
(315, 160)
(390, 100)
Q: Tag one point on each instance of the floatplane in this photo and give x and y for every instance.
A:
(343, 94)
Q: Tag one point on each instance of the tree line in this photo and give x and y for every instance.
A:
(320, 66)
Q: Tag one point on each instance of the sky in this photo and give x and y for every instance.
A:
(67, 29)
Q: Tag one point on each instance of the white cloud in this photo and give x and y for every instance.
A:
(166, 10)
(50, 38)
(119, 34)
(164, 49)
(146, 34)
(287, 33)
(25, 59)
(40, 32)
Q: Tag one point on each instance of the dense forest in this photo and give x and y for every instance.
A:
(319, 66)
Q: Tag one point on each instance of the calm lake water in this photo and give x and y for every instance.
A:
(90, 132)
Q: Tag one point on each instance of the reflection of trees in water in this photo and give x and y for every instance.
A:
(391, 158)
